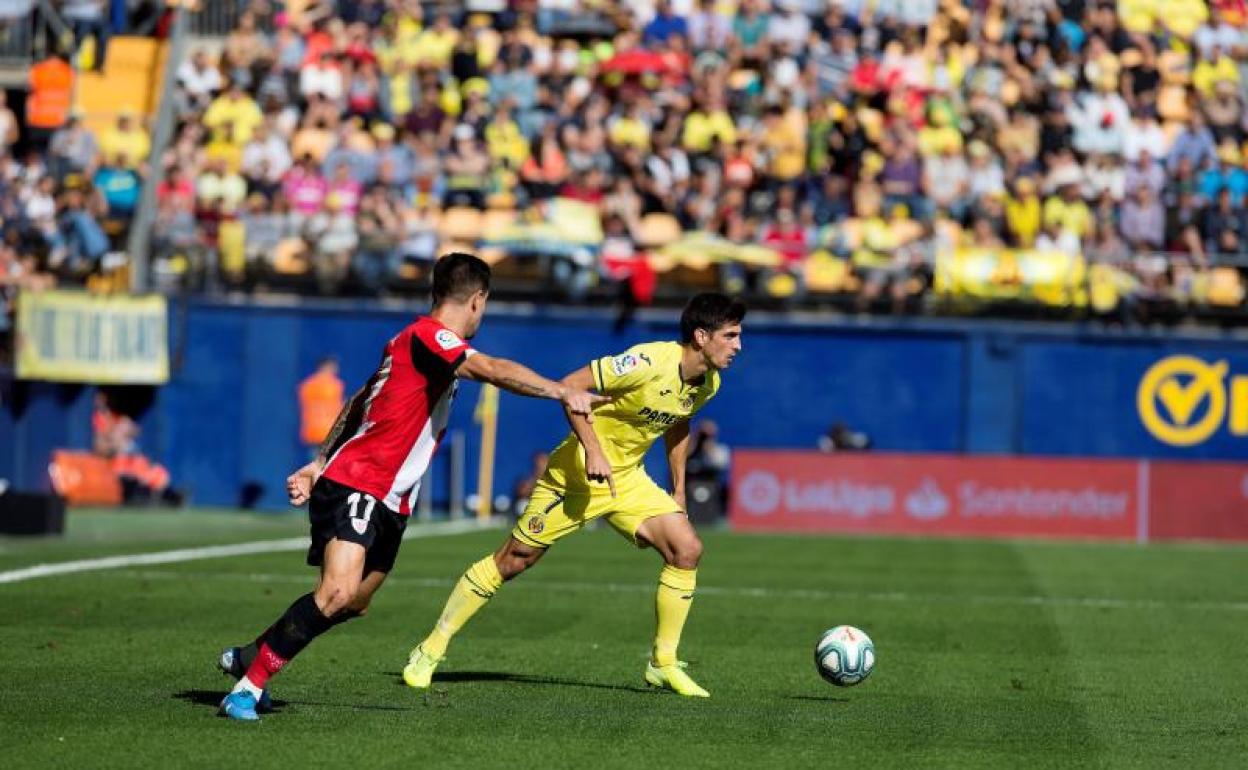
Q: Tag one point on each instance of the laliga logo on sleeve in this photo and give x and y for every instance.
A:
(447, 339)
(1183, 400)
(759, 493)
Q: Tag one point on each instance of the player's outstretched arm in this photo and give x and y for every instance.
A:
(521, 380)
(676, 439)
(597, 466)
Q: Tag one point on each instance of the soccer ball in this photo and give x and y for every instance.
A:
(844, 656)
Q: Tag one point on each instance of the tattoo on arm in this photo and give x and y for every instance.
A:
(524, 388)
(350, 416)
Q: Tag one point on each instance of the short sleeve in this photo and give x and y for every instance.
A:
(438, 350)
(628, 370)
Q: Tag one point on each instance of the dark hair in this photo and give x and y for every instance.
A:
(458, 276)
(710, 311)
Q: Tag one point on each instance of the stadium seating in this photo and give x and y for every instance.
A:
(844, 155)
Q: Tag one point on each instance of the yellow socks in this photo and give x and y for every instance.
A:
(474, 589)
(671, 606)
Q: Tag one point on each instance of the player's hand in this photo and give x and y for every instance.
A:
(582, 402)
(598, 469)
(299, 484)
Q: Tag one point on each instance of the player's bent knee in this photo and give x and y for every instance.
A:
(686, 553)
(334, 597)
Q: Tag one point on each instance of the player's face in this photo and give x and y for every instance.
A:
(722, 345)
(476, 307)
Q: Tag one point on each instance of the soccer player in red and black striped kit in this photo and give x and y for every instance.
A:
(361, 488)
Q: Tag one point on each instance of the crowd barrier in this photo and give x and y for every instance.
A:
(988, 496)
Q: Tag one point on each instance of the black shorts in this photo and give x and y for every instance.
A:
(338, 511)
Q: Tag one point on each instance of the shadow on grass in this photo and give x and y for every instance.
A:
(509, 678)
(213, 698)
(819, 698)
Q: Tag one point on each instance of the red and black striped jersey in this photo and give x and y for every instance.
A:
(387, 447)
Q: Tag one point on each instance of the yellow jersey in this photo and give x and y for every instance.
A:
(649, 396)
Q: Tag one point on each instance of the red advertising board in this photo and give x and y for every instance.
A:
(1198, 501)
(936, 495)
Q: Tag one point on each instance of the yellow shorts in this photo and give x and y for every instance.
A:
(554, 511)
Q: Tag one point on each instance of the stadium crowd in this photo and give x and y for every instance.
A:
(335, 138)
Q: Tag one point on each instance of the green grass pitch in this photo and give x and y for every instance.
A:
(990, 654)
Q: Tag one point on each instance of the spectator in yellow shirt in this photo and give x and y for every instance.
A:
(704, 126)
(630, 130)
(1216, 69)
(236, 109)
(433, 47)
(1181, 17)
(1022, 213)
(1068, 212)
(784, 145)
(128, 140)
(503, 138)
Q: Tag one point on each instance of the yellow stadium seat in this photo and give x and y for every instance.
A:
(460, 223)
(825, 273)
(290, 257)
(657, 230)
(495, 220)
(1226, 287)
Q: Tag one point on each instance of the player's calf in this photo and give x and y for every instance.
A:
(515, 557)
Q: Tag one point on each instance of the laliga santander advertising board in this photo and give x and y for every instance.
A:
(935, 494)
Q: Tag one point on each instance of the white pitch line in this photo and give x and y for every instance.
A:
(437, 529)
(750, 592)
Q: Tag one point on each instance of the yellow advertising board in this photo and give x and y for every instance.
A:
(68, 336)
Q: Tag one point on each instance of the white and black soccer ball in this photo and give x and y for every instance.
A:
(844, 656)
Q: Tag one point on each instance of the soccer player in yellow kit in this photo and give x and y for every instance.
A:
(597, 472)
